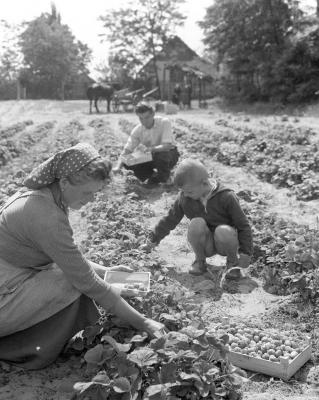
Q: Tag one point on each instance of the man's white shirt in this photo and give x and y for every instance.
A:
(160, 133)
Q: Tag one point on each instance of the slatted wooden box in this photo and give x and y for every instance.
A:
(284, 369)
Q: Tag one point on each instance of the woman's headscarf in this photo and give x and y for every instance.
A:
(61, 165)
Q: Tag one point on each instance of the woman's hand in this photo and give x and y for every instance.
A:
(118, 167)
(154, 328)
(120, 291)
(122, 268)
(130, 293)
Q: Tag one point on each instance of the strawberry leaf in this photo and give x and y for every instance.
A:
(143, 357)
(121, 385)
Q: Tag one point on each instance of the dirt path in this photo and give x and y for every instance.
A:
(40, 385)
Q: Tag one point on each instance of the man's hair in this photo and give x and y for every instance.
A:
(97, 170)
(143, 107)
(190, 170)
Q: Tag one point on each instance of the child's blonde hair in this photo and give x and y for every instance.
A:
(190, 170)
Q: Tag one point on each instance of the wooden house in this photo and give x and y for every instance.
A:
(178, 64)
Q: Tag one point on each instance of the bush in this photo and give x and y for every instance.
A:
(8, 90)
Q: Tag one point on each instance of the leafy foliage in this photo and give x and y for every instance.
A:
(52, 56)
(241, 31)
(189, 364)
(247, 36)
(10, 55)
(10, 59)
(280, 154)
(268, 49)
(285, 252)
(138, 32)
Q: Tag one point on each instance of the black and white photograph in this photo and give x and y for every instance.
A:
(159, 200)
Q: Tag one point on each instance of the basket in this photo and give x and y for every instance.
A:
(127, 280)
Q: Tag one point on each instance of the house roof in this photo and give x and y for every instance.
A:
(85, 77)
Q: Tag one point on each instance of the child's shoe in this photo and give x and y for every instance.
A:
(231, 277)
(235, 280)
(199, 267)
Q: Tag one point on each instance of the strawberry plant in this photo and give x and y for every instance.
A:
(13, 129)
(187, 364)
(282, 154)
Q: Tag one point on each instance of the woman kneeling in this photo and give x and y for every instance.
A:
(47, 286)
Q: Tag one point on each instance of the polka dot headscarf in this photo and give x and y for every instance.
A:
(61, 165)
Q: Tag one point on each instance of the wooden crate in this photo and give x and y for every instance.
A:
(284, 369)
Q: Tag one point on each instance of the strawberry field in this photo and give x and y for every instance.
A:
(272, 163)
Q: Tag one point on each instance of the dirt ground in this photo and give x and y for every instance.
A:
(16, 384)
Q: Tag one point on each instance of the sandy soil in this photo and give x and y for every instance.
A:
(39, 385)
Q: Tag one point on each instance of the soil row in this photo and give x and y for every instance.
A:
(284, 155)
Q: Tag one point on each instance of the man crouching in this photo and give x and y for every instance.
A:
(153, 136)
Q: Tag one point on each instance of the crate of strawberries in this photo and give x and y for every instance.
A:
(280, 354)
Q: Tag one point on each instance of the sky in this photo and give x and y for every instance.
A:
(82, 18)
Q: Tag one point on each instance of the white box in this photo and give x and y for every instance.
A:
(126, 280)
(134, 159)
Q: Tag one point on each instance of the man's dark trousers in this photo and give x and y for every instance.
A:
(163, 162)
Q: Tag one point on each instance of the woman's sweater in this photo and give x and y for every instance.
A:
(35, 231)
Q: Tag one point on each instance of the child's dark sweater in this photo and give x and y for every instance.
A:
(222, 208)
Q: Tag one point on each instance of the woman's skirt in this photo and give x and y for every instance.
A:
(31, 295)
(39, 345)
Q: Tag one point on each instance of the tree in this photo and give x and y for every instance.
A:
(52, 56)
(270, 48)
(139, 32)
(114, 70)
(248, 36)
(10, 59)
(10, 53)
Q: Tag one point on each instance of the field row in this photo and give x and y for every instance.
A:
(24, 145)
(116, 231)
(284, 155)
(287, 250)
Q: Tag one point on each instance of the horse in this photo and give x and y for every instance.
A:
(100, 91)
